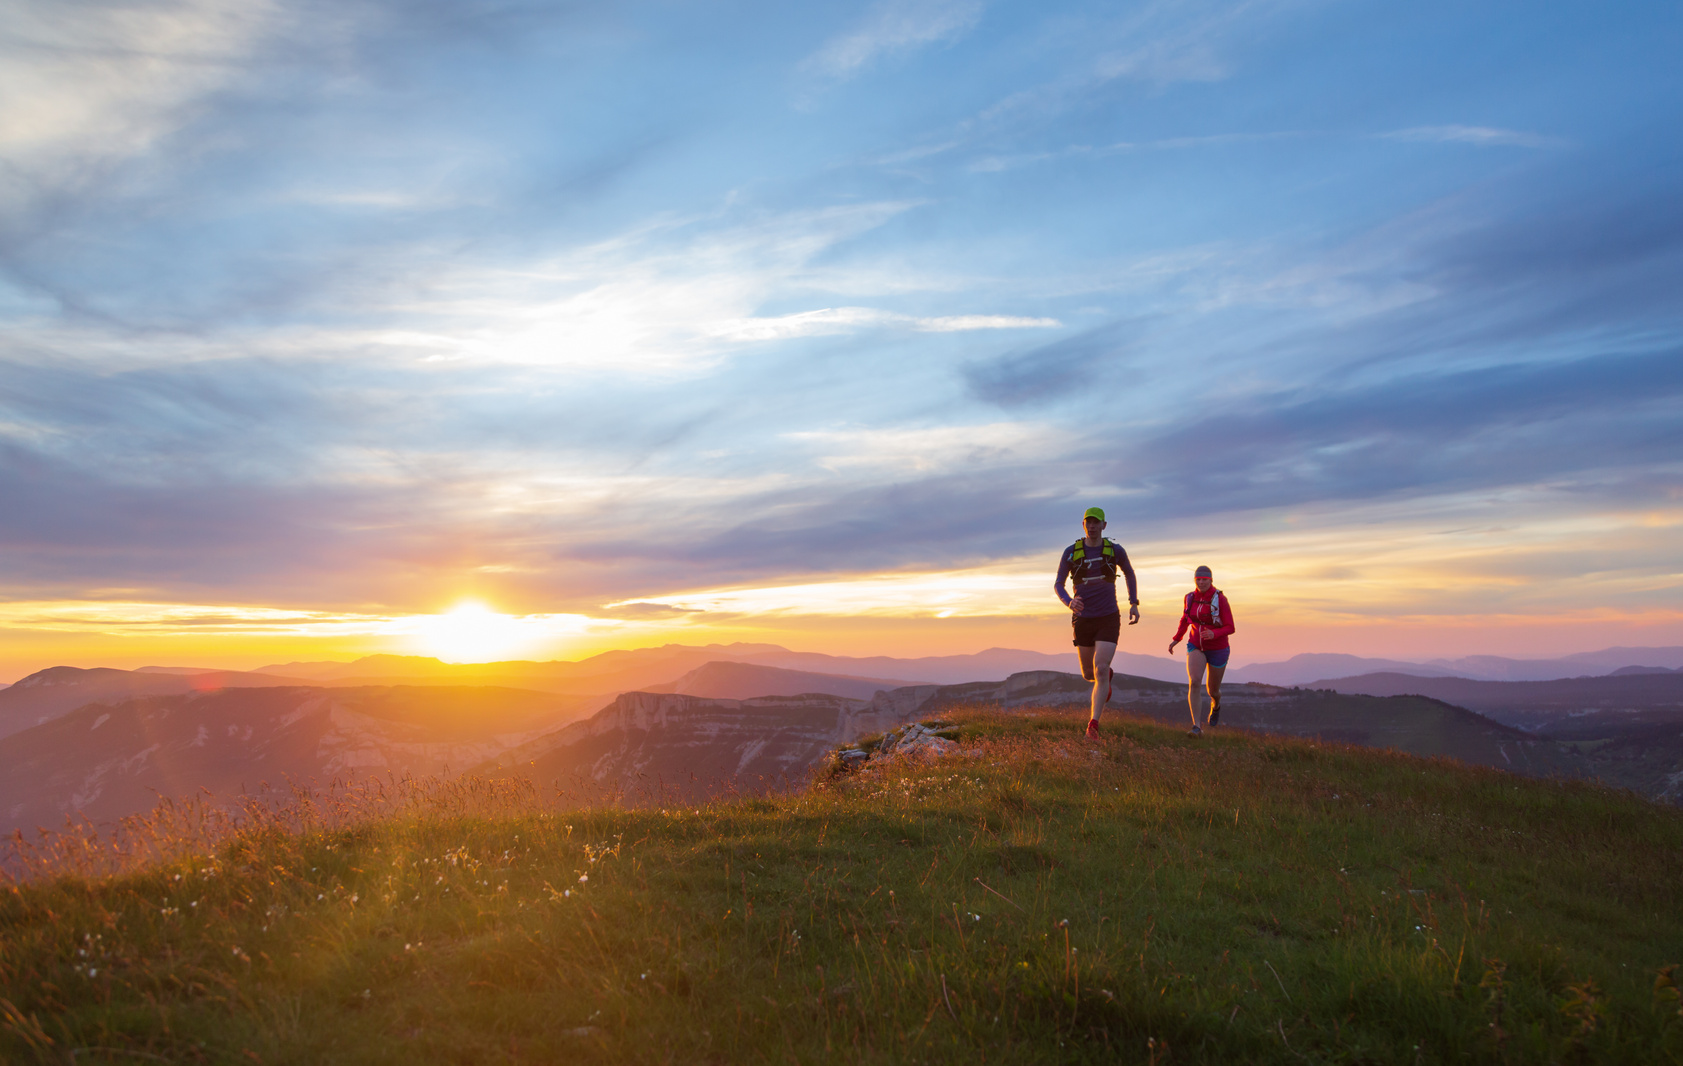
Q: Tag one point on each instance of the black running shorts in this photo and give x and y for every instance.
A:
(1088, 631)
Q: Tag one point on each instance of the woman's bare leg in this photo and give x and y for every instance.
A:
(1195, 663)
(1103, 652)
(1216, 673)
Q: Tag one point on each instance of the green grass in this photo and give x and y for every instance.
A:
(1156, 899)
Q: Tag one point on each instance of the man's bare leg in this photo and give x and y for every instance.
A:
(1195, 663)
(1086, 653)
(1099, 675)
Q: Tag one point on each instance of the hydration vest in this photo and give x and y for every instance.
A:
(1215, 607)
(1077, 557)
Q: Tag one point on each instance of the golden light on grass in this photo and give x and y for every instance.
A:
(1034, 890)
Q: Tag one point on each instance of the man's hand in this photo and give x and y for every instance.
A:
(1134, 615)
(1075, 603)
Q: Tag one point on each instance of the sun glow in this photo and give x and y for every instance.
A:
(473, 633)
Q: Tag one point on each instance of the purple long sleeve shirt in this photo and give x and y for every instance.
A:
(1098, 596)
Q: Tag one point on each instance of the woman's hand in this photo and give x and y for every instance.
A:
(1172, 644)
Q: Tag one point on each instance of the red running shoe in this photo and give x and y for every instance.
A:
(1092, 729)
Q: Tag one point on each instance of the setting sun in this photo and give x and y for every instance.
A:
(473, 633)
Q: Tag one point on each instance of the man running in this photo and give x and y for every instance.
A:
(1091, 564)
(1207, 612)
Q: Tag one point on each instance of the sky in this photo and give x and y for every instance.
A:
(333, 328)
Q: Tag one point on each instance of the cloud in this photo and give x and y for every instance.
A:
(993, 164)
(641, 611)
(835, 320)
(435, 299)
(894, 27)
(186, 164)
(1175, 59)
(130, 619)
(1153, 44)
(1093, 359)
(925, 450)
(1429, 433)
(88, 81)
(674, 297)
(946, 594)
(1483, 136)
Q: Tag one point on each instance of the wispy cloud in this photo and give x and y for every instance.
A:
(894, 26)
(924, 451)
(995, 163)
(1482, 136)
(1155, 44)
(1088, 360)
(108, 80)
(836, 320)
(359, 308)
(944, 594)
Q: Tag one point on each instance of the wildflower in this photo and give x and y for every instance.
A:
(584, 877)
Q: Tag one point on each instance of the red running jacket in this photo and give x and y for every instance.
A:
(1210, 616)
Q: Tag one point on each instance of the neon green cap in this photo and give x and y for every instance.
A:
(1094, 512)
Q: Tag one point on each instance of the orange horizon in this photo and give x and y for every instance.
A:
(1264, 636)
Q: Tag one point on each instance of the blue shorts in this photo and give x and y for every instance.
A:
(1217, 658)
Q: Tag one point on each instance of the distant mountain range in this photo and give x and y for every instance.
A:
(47, 694)
(108, 742)
(1313, 667)
(1537, 706)
(110, 760)
(611, 673)
(739, 681)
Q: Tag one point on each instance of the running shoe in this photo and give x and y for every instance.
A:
(1215, 711)
(1092, 729)
(1196, 732)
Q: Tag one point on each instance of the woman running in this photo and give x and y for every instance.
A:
(1210, 616)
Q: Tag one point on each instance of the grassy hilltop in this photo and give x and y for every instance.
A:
(1151, 899)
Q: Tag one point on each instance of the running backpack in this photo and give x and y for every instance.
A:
(1076, 558)
(1215, 607)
